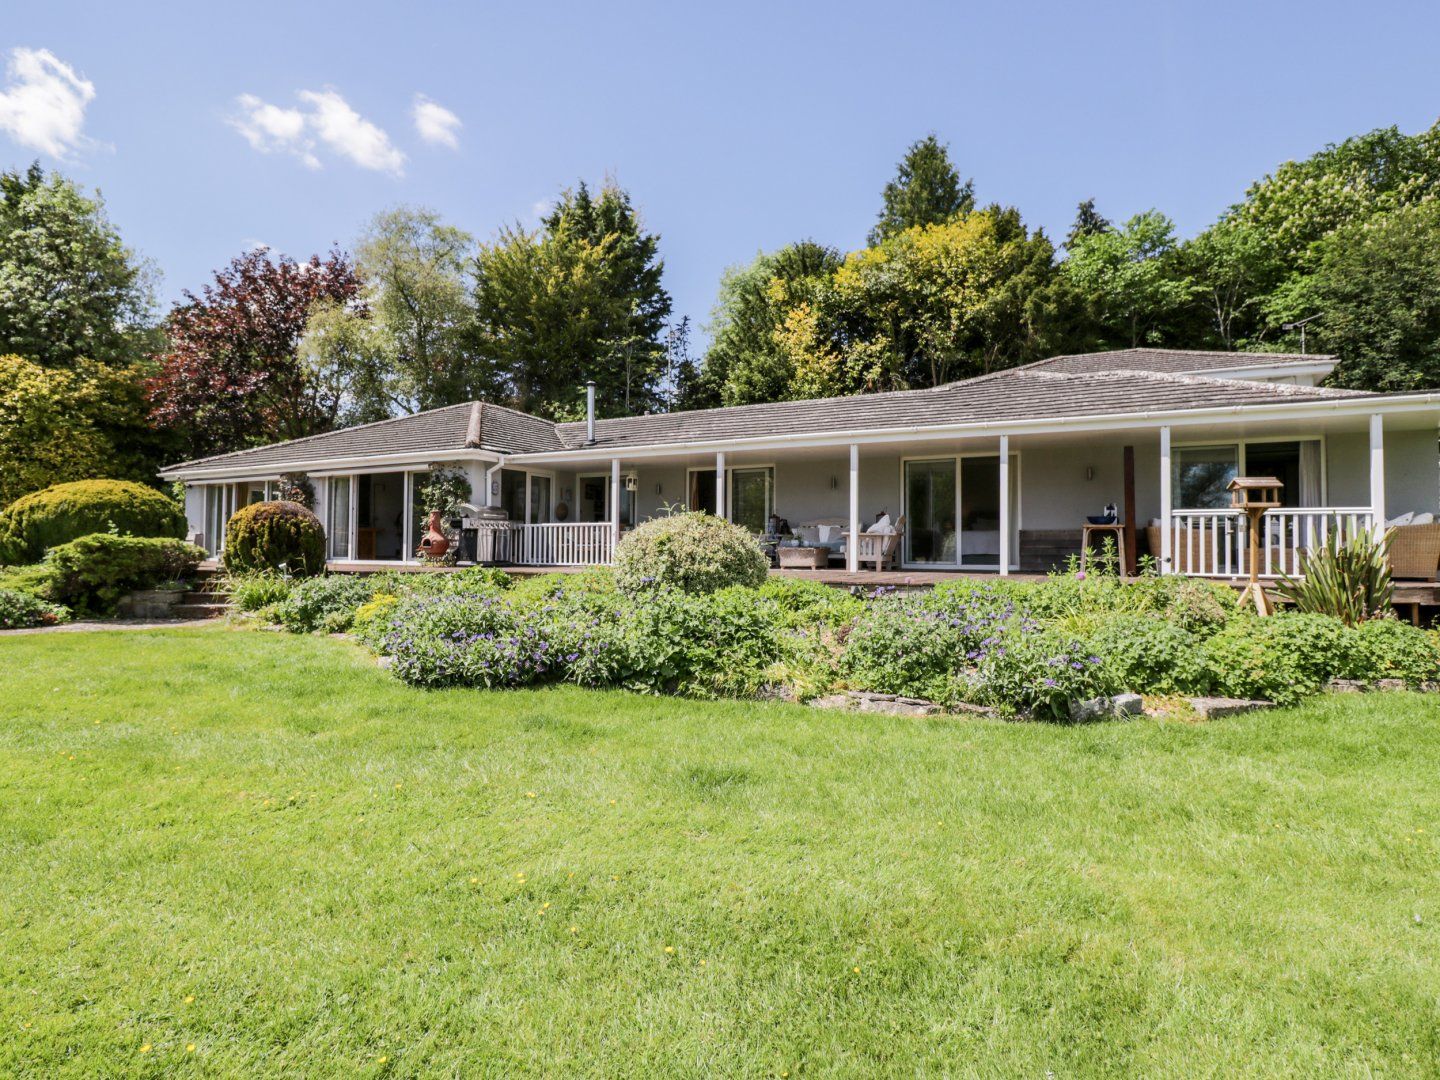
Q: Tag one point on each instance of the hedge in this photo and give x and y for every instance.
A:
(34, 523)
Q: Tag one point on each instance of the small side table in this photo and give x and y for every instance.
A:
(1117, 530)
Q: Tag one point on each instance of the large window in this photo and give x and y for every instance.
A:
(1201, 474)
(594, 501)
(752, 498)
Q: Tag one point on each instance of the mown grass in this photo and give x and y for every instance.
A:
(266, 848)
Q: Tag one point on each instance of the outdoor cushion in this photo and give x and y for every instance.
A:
(1403, 519)
(1423, 519)
(882, 527)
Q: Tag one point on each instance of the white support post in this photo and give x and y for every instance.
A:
(852, 541)
(407, 520)
(1377, 473)
(720, 486)
(1166, 529)
(1004, 504)
(615, 500)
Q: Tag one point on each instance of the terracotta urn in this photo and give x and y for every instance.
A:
(435, 543)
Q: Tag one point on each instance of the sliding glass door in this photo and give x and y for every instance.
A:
(337, 518)
(930, 502)
(952, 512)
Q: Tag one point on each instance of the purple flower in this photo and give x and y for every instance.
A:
(1080, 575)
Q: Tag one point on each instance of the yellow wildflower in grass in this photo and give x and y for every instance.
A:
(702, 963)
(382, 1059)
(669, 948)
(145, 1049)
(530, 794)
(574, 929)
(474, 881)
(857, 971)
(189, 998)
(189, 1048)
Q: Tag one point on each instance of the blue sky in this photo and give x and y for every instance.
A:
(736, 126)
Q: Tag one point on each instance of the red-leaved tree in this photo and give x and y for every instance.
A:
(230, 376)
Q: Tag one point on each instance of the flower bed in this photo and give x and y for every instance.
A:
(1022, 648)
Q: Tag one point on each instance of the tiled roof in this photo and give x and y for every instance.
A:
(1171, 361)
(1114, 383)
(1013, 395)
(452, 427)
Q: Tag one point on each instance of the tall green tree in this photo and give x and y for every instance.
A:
(1133, 279)
(944, 301)
(69, 287)
(927, 190)
(414, 268)
(580, 298)
(1376, 288)
(745, 361)
(83, 422)
(1088, 222)
(1302, 202)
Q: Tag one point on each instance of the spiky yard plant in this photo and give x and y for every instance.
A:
(1349, 580)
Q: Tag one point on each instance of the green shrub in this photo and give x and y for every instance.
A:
(327, 602)
(692, 552)
(806, 603)
(1150, 656)
(920, 644)
(374, 619)
(275, 536)
(1037, 672)
(19, 610)
(730, 642)
(1201, 607)
(1282, 658)
(92, 573)
(33, 524)
(258, 589)
(37, 580)
(1390, 649)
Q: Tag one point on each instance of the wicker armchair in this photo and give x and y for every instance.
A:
(1415, 552)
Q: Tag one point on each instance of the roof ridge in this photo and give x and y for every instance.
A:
(1205, 379)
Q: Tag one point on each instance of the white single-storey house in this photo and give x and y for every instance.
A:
(995, 473)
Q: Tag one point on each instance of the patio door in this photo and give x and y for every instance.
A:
(931, 500)
(339, 518)
(952, 512)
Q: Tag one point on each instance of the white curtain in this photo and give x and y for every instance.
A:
(1310, 473)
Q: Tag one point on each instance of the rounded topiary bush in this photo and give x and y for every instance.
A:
(693, 552)
(275, 536)
(34, 523)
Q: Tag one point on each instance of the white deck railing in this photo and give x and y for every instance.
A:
(570, 543)
(1216, 543)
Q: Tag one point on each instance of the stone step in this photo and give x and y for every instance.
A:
(199, 611)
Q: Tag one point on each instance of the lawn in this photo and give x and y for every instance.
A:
(239, 853)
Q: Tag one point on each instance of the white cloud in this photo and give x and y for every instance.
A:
(435, 123)
(540, 208)
(327, 120)
(349, 134)
(271, 129)
(43, 104)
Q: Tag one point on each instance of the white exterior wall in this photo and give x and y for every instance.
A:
(1412, 471)
(195, 512)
